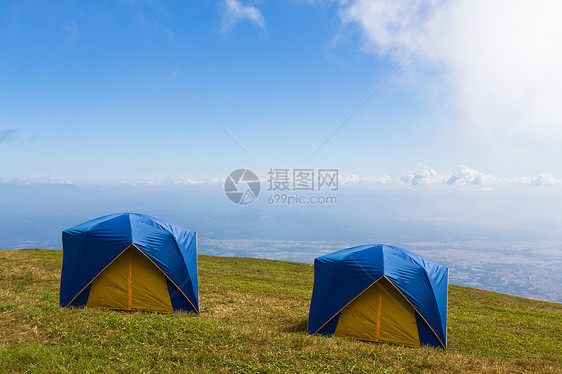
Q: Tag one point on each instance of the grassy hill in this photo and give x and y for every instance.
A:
(253, 320)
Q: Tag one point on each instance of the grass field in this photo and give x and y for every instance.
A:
(253, 320)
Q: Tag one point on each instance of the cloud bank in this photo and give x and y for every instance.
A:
(493, 67)
(234, 12)
(461, 176)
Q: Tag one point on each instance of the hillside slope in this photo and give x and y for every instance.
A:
(253, 320)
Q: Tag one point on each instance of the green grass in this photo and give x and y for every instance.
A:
(253, 320)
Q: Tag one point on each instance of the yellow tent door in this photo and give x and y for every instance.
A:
(380, 314)
(131, 282)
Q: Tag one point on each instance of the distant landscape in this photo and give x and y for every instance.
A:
(507, 240)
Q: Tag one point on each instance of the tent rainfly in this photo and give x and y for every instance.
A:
(130, 262)
(380, 293)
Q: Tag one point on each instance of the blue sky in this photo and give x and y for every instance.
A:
(105, 106)
(84, 98)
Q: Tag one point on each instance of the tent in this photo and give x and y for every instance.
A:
(130, 262)
(380, 293)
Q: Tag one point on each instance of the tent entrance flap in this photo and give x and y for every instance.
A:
(131, 282)
(380, 314)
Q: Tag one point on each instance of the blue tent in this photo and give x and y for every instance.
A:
(130, 262)
(380, 293)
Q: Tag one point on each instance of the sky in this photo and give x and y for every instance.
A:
(442, 119)
(130, 91)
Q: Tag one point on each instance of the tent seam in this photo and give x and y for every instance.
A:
(415, 310)
(436, 304)
(94, 278)
(332, 317)
(170, 279)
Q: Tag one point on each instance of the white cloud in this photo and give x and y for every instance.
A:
(546, 180)
(541, 180)
(234, 12)
(464, 175)
(495, 65)
(354, 179)
(183, 182)
(426, 176)
(461, 176)
(33, 181)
